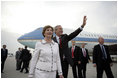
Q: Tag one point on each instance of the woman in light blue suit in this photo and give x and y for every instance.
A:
(46, 60)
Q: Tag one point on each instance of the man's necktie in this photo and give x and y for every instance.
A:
(104, 53)
(72, 52)
(84, 53)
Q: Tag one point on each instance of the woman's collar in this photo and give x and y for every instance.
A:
(44, 42)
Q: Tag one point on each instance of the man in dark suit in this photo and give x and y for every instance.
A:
(4, 53)
(101, 59)
(74, 50)
(62, 40)
(25, 57)
(84, 59)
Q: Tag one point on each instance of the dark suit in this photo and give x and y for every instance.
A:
(84, 61)
(4, 53)
(102, 64)
(64, 50)
(75, 61)
(25, 57)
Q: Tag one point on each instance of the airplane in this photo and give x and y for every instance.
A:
(90, 39)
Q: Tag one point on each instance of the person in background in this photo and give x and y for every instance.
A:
(21, 62)
(62, 40)
(4, 53)
(18, 61)
(46, 60)
(75, 57)
(25, 59)
(101, 59)
(30, 56)
(84, 59)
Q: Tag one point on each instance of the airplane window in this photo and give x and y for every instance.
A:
(104, 36)
(85, 35)
(94, 35)
(107, 36)
(89, 35)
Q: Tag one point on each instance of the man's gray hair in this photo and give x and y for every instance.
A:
(56, 27)
(100, 37)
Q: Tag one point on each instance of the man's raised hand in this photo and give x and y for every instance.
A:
(84, 22)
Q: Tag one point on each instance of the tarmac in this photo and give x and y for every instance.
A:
(11, 72)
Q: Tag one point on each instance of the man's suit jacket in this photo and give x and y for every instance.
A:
(82, 58)
(97, 54)
(76, 53)
(4, 53)
(18, 54)
(25, 56)
(64, 43)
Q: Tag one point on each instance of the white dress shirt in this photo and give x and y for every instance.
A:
(57, 39)
(46, 58)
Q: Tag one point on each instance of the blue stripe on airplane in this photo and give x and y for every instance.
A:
(37, 34)
(77, 39)
(94, 39)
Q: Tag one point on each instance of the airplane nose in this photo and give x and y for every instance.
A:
(30, 39)
(36, 34)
